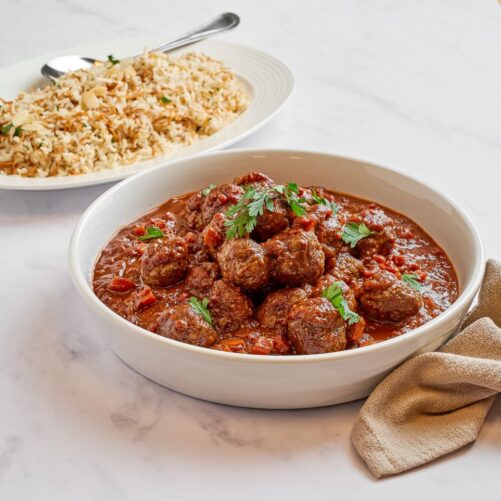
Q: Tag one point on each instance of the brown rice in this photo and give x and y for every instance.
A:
(116, 114)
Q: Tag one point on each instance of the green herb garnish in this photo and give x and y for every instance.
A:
(200, 307)
(152, 232)
(165, 100)
(412, 280)
(334, 293)
(323, 201)
(354, 232)
(243, 215)
(290, 192)
(17, 131)
(207, 190)
(6, 128)
(112, 60)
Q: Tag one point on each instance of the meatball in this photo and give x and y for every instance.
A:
(350, 270)
(272, 222)
(244, 262)
(296, 257)
(328, 227)
(383, 238)
(384, 297)
(214, 234)
(230, 308)
(164, 261)
(201, 278)
(183, 324)
(253, 179)
(273, 311)
(220, 199)
(315, 326)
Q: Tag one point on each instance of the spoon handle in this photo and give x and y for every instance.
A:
(223, 22)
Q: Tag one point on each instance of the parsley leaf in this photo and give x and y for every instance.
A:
(323, 201)
(334, 293)
(243, 215)
(412, 280)
(290, 192)
(6, 128)
(165, 100)
(17, 131)
(245, 212)
(152, 232)
(207, 190)
(200, 307)
(112, 60)
(354, 232)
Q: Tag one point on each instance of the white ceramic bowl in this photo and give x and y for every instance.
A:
(272, 381)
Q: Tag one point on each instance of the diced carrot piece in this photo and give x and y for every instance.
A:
(262, 346)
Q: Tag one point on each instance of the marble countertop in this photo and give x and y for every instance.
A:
(414, 85)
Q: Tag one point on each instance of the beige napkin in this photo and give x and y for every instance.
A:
(436, 402)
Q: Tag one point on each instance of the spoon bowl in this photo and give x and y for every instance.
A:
(58, 66)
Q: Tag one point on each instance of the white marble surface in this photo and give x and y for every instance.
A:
(414, 85)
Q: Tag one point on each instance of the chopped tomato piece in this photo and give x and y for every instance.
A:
(399, 260)
(121, 284)
(159, 223)
(378, 258)
(139, 231)
(212, 238)
(356, 331)
(262, 346)
(144, 298)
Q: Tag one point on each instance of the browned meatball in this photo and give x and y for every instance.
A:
(384, 297)
(244, 262)
(230, 308)
(273, 311)
(272, 222)
(183, 324)
(347, 268)
(201, 278)
(296, 257)
(383, 238)
(315, 326)
(327, 226)
(254, 179)
(220, 199)
(350, 270)
(164, 261)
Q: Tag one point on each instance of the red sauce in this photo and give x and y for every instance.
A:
(118, 283)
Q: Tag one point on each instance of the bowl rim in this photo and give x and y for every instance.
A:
(84, 288)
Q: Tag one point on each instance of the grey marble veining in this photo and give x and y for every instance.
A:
(414, 85)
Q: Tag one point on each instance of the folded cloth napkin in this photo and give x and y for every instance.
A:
(436, 402)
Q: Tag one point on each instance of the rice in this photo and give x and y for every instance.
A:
(116, 114)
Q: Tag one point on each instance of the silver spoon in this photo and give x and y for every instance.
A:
(224, 22)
